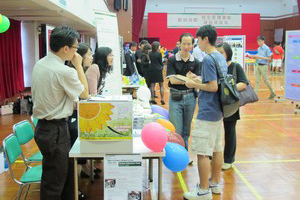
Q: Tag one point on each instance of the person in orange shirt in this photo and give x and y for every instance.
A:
(278, 55)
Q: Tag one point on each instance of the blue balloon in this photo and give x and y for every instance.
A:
(160, 110)
(177, 157)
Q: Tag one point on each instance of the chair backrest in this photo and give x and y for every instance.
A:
(34, 121)
(12, 148)
(13, 151)
(24, 132)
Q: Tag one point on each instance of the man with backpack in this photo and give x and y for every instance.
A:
(207, 134)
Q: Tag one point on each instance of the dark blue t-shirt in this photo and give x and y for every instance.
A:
(209, 102)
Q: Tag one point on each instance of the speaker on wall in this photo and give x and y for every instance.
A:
(125, 5)
(117, 4)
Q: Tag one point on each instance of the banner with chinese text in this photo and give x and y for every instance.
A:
(195, 20)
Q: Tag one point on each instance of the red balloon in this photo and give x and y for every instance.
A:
(175, 138)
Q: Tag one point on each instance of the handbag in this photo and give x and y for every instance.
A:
(229, 95)
(6, 108)
(248, 95)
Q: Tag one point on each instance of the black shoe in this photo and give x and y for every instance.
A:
(82, 196)
(84, 175)
(153, 102)
(272, 95)
(97, 170)
(162, 102)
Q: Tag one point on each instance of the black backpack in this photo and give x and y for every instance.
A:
(229, 95)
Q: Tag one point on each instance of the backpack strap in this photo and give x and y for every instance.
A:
(219, 72)
(234, 72)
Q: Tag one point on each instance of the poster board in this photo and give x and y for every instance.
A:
(123, 178)
(292, 65)
(105, 118)
(48, 34)
(108, 35)
(238, 45)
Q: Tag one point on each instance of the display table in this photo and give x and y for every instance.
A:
(138, 148)
(131, 86)
(249, 62)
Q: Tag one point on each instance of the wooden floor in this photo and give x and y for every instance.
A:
(267, 160)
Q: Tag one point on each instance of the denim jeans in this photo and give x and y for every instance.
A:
(181, 114)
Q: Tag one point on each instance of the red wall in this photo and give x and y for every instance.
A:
(157, 27)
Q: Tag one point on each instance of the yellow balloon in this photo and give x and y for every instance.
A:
(167, 124)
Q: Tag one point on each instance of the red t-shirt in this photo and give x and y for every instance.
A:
(278, 52)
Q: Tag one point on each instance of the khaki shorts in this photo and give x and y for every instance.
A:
(207, 137)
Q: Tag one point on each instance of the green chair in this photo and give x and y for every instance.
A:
(34, 120)
(32, 174)
(24, 132)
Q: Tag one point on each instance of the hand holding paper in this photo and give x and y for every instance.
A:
(177, 78)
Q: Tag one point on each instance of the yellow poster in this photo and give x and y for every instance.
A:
(105, 121)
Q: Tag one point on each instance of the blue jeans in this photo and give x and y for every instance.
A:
(181, 114)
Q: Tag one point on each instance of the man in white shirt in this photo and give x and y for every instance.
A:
(197, 53)
(55, 87)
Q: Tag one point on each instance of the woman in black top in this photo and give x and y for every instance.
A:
(230, 122)
(145, 63)
(155, 72)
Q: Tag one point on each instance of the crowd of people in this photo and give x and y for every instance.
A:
(56, 86)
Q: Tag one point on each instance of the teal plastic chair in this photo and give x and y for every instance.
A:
(24, 132)
(31, 175)
(34, 121)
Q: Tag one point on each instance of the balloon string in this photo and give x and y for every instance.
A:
(182, 183)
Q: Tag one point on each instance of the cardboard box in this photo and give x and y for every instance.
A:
(105, 124)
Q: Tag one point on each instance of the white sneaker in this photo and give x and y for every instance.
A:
(215, 187)
(226, 166)
(198, 194)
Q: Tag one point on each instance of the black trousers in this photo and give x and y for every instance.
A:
(230, 141)
(53, 140)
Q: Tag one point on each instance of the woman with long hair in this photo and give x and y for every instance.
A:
(230, 122)
(155, 72)
(97, 72)
(85, 51)
(145, 62)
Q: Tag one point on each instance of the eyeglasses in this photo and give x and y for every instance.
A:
(75, 47)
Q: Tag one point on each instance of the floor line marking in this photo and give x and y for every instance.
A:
(247, 183)
(268, 161)
(271, 119)
(261, 115)
(182, 183)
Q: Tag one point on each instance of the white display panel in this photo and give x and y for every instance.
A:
(108, 35)
(238, 45)
(292, 65)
